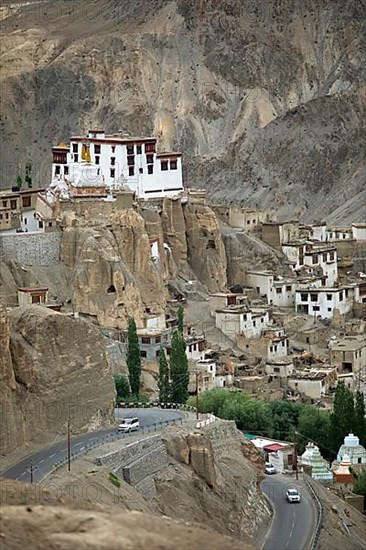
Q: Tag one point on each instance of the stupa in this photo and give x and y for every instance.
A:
(352, 448)
(319, 468)
(342, 473)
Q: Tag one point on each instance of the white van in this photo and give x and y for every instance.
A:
(129, 425)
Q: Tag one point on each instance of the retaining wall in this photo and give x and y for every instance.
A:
(137, 462)
(31, 248)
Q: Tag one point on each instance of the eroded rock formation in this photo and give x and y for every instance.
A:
(53, 369)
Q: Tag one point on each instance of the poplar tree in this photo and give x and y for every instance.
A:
(179, 369)
(163, 381)
(360, 429)
(133, 358)
(180, 319)
(342, 419)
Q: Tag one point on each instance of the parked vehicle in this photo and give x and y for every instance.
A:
(293, 495)
(129, 425)
(270, 469)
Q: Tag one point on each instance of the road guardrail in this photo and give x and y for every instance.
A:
(319, 524)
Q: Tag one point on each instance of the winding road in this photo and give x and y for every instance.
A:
(45, 460)
(293, 523)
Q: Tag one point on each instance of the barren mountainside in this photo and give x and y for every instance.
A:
(265, 99)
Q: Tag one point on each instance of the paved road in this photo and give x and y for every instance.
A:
(293, 524)
(45, 459)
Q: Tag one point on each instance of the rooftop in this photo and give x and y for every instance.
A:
(350, 343)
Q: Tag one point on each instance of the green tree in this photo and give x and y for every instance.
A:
(360, 420)
(28, 175)
(163, 381)
(314, 424)
(19, 182)
(180, 316)
(283, 417)
(133, 358)
(359, 486)
(122, 386)
(179, 369)
(342, 419)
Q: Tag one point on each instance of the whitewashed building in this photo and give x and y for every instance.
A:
(117, 161)
(239, 320)
(321, 302)
(359, 231)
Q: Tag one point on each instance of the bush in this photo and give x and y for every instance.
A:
(122, 386)
(114, 479)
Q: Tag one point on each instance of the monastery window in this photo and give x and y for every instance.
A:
(143, 353)
(26, 201)
(275, 348)
(324, 257)
(13, 205)
(66, 170)
(253, 323)
(331, 256)
(49, 224)
(113, 148)
(7, 217)
(145, 340)
(346, 292)
(201, 346)
(130, 161)
(150, 169)
(164, 165)
(97, 148)
(74, 147)
(157, 353)
(276, 369)
(288, 288)
(279, 290)
(57, 170)
(130, 149)
(150, 148)
(131, 171)
(1, 216)
(25, 219)
(316, 308)
(173, 164)
(314, 297)
(341, 296)
(283, 343)
(141, 170)
(157, 339)
(329, 309)
(97, 160)
(76, 158)
(40, 225)
(138, 149)
(304, 297)
(112, 172)
(5, 203)
(253, 221)
(271, 348)
(149, 159)
(248, 222)
(315, 258)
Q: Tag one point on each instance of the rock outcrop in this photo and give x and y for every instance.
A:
(212, 480)
(53, 369)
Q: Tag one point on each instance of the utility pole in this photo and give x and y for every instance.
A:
(295, 456)
(31, 470)
(197, 395)
(68, 446)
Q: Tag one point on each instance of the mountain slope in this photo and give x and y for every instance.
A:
(266, 99)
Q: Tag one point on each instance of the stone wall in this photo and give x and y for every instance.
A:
(31, 248)
(137, 462)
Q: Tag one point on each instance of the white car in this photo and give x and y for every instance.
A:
(293, 495)
(129, 425)
(270, 469)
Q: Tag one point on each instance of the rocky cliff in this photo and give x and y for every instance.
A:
(214, 481)
(265, 99)
(53, 369)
